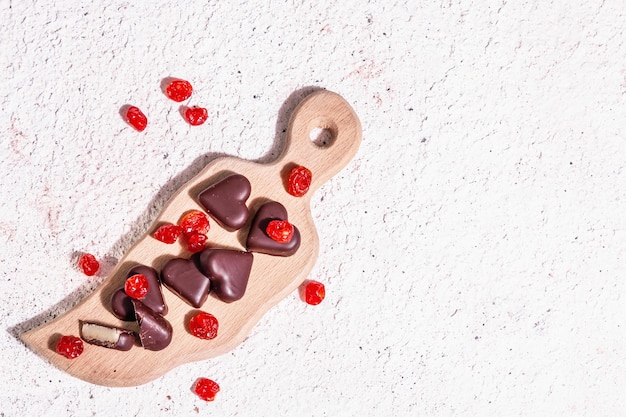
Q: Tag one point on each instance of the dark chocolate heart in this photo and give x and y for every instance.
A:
(122, 304)
(228, 271)
(225, 201)
(155, 332)
(259, 241)
(184, 278)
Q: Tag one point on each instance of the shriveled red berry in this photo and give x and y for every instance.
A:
(204, 325)
(136, 118)
(70, 346)
(88, 264)
(194, 221)
(280, 230)
(196, 115)
(196, 242)
(314, 292)
(299, 181)
(179, 90)
(206, 389)
(168, 233)
(136, 286)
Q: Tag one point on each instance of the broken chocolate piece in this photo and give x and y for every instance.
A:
(184, 278)
(259, 241)
(122, 305)
(155, 333)
(107, 336)
(225, 201)
(228, 271)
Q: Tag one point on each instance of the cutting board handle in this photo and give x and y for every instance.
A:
(339, 129)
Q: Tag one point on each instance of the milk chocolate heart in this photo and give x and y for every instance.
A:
(225, 201)
(259, 241)
(228, 271)
(184, 278)
(122, 304)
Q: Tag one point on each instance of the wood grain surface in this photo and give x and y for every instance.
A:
(272, 278)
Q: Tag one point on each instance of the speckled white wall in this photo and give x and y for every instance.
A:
(474, 251)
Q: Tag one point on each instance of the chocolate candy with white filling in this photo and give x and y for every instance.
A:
(225, 201)
(185, 279)
(228, 271)
(107, 336)
(155, 332)
(122, 304)
(258, 239)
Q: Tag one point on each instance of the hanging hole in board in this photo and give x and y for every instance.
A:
(321, 136)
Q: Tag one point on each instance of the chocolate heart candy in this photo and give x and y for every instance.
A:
(228, 271)
(155, 332)
(225, 201)
(184, 278)
(259, 241)
(122, 304)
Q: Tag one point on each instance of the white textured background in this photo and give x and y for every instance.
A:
(474, 251)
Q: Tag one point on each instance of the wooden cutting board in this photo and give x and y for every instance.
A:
(272, 278)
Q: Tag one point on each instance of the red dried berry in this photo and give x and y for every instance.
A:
(196, 115)
(280, 230)
(314, 293)
(196, 242)
(206, 389)
(136, 286)
(299, 181)
(168, 233)
(70, 346)
(204, 326)
(136, 118)
(88, 264)
(179, 90)
(194, 221)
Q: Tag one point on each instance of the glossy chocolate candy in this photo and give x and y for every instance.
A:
(155, 332)
(122, 304)
(228, 271)
(185, 279)
(225, 201)
(259, 241)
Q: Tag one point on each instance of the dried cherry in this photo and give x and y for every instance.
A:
(136, 118)
(196, 115)
(168, 233)
(196, 242)
(299, 181)
(206, 389)
(88, 264)
(280, 231)
(70, 346)
(194, 221)
(204, 325)
(179, 90)
(137, 286)
(314, 292)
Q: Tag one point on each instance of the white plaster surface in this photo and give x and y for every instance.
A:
(474, 251)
